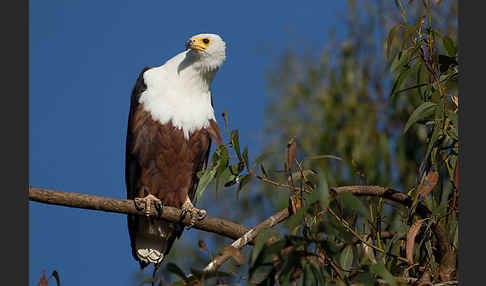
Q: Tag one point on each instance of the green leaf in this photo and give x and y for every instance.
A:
(56, 276)
(204, 182)
(400, 80)
(268, 253)
(222, 172)
(317, 269)
(346, 257)
(449, 46)
(262, 236)
(244, 180)
(453, 118)
(224, 178)
(422, 112)
(260, 274)
(351, 202)
(433, 139)
(316, 157)
(245, 156)
(237, 168)
(399, 61)
(410, 31)
(308, 278)
(173, 268)
(399, 235)
(441, 209)
(364, 278)
(222, 160)
(298, 175)
(219, 161)
(422, 77)
(297, 218)
(391, 36)
(321, 193)
(380, 270)
(235, 141)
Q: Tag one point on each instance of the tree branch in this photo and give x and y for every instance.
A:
(446, 255)
(83, 201)
(247, 238)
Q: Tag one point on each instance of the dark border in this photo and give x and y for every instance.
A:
(14, 142)
(472, 148)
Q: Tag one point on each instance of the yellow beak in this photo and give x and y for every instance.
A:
(195, 44)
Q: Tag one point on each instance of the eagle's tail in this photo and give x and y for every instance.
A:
(150, 251)
(154, 240)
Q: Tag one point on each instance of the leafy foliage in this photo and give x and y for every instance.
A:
(387, 118)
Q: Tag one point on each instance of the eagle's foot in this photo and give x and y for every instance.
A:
(196, 214)
(146, 203)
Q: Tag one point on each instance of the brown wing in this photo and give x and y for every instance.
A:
(132, 168)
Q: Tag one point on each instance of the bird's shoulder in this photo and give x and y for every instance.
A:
(140, 85)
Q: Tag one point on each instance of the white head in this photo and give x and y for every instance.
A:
(179, 90)
(208, 50)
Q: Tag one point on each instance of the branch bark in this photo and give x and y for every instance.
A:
(247, 238)
(83, 201)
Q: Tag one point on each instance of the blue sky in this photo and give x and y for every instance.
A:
(84, 59)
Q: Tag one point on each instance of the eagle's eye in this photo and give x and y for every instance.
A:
(206, 41)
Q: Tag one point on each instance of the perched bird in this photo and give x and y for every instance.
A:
(170, 128)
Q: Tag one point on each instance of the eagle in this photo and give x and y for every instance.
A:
(171, 125)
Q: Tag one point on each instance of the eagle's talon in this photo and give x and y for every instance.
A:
(137, 202)
(158, 207)
(191, 224)
(202, 214)
(183, 213)
(141, 205)
(196, 214)
(191, 214)
(146, 202)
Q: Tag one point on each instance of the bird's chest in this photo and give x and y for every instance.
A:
(186, 112)
(183, 100)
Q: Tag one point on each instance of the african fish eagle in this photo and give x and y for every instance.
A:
(170, 128)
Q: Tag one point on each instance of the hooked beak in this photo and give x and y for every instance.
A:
(188, 44)
(193, 44)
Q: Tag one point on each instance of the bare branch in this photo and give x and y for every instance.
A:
(83, 201)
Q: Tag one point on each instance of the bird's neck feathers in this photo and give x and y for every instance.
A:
(179, 92)
(198, 68)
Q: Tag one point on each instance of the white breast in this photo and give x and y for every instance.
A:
(178, 96)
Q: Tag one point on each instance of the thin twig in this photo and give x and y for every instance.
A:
(277, 184)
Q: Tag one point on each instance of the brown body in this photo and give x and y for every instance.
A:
(161, 162)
